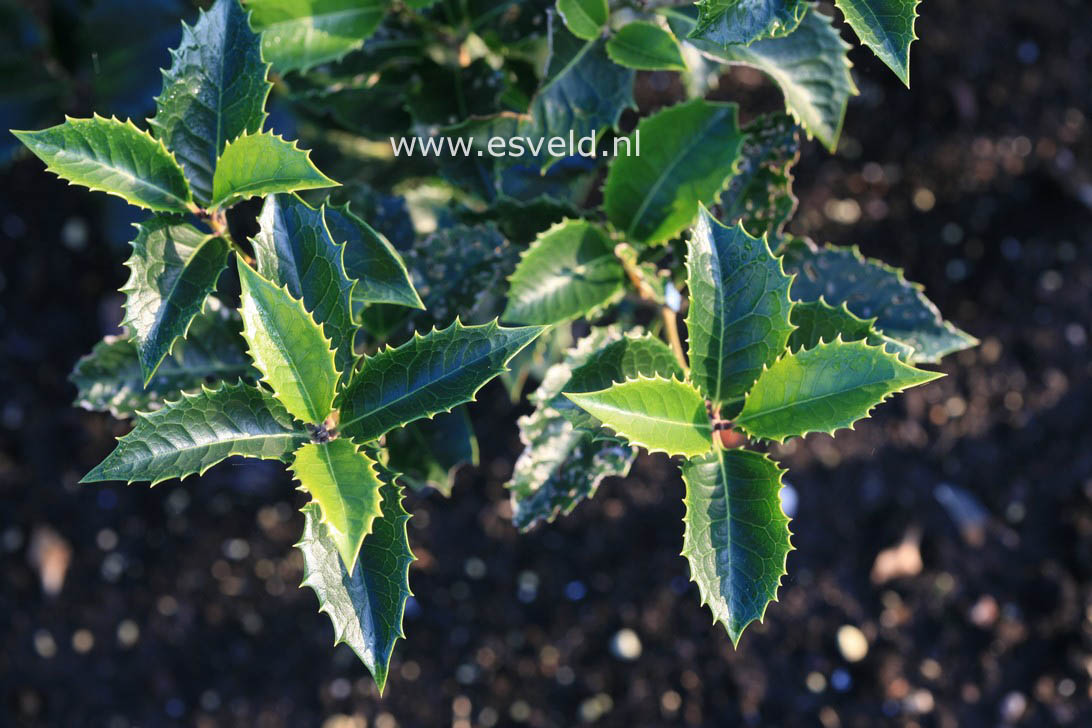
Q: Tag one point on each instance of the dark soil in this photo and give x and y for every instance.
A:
(179, 604)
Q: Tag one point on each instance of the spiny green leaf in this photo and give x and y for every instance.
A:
(371, 260)
(299, 34)
(631, 356)
(760, 195)
(173, 269)
(569, 271)
(584, 18)
(115, 157)
(662, 415)
(645, 47)
(344, 482)
(428, 452)
(740, 22)
(817, 321)
(214, 91)
(737, 536)
(824, 389)
(811, 66)
(885, 26)
(873, 289)
(560, 465)
(365, 605)
(738, 321)
(110, 378)
(427, 375)
(254, 165)
(199, 430)
(689, 153)
(288, 347)
(293, 248)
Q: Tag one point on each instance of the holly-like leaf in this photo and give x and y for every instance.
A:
(115, 157)
(214, 91)
(366, 604)
(110, 378)
(371, 260)
(569, 271)
(645, 47)
(199, 430)
(629, 357)
(737, 536)
(427, 375)
(689, 152)
(344, 482)
(740, 22)
(288, 347)
(738, 322)
(560, 465)
(254, 165)
(299, 34)
(811, 66)
(173, 269)
(428, 452)
(824, 389)
(885, 26)
(584, 18)
(760, 195)
(293, 249)
(661, 415)
(817, 321)
(873, 289)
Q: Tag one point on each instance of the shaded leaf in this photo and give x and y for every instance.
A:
(737, 536)
(428, 452)
(371, 260)
(817, 321)
(299, 34)
(760, 195)
(199, 430)
(732, 22)
(885, 26)
(645, 47)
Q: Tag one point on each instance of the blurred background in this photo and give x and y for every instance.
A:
(943, 572)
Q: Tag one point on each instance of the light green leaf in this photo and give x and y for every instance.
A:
(569, 271)
(214, 91)
(199, 430)
(873, 289)
(629, 357)
(645, 47)
(824, 389)
(173, 269)
(584, 18)
(294, 249)
(817, 321)
(254, 165)
(737, 536)
(115, 157)
(288, 347)
(344, 482)
(885, 26)
(689, 153)
(740, 22)
(426, 376)
(428, 452)
(560, 465)
(299, 34)
(811, 66)
(365, 605)
(738, 322)
(110, 378)
(661, 415)
(760, 195)
(371, 260)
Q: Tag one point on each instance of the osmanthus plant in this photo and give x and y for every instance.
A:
(357, 321)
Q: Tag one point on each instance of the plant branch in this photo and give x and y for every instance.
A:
(217, 220)
(645, 291)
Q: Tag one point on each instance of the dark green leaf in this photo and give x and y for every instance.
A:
(299, 34)
(818, 321)
(645, 47)
(740, 22)
(584, 18)
(428, 452)
(371, 260)
(760, 195)
(885, 26)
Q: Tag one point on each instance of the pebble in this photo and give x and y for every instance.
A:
(852, 643)
(626, 645)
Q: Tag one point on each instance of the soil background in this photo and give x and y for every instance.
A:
(179, 604)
